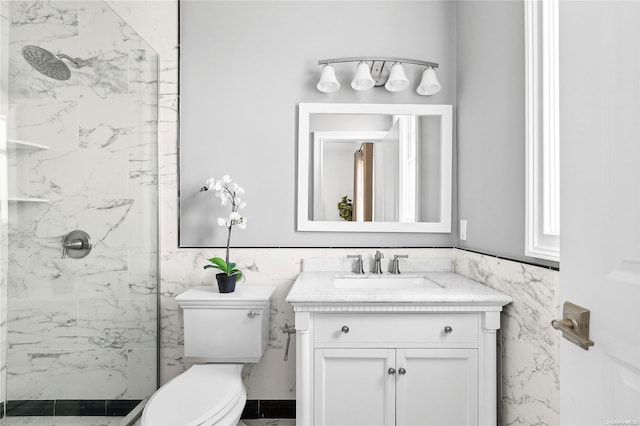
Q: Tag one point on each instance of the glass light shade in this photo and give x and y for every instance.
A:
(328, 82)
(429, 84)
(397, 79)
(362, 80)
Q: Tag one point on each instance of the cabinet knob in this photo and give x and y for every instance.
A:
(448, 330)
(345, 329)
(391, 371)
(402, 371)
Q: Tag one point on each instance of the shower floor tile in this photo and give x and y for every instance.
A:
(61, 421)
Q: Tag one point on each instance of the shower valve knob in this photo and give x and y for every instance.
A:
(76, 245)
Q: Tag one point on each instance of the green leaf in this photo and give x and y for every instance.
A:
(231, 266)
(211, 266)
(220, 263)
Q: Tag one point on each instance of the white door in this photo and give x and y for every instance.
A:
(437, 387)
(354, 387)
(600, 203)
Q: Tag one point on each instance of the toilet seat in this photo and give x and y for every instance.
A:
(201, 396)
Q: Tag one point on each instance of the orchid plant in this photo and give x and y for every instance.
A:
(228, 192)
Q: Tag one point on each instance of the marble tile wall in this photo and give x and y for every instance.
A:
(91, 320)
(272, 377)
(529, 347)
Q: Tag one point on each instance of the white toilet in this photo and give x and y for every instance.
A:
(222, 331)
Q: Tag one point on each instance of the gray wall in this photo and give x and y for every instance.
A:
(491, 133)
(245, 66)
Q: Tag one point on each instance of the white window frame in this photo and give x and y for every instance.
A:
(542, 221)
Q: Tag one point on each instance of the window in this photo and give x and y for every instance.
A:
(542, 130)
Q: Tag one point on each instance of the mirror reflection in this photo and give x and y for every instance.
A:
(374, 164)
(376, 175)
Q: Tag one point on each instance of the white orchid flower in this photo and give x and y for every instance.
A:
(228, 193)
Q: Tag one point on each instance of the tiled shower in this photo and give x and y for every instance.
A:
(78, 335)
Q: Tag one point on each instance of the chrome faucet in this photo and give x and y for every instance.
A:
(395, 268)
(359, 265)
(378, 264)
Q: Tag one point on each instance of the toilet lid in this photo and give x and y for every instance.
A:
(195, 396)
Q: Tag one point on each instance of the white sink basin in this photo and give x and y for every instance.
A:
(399, 282)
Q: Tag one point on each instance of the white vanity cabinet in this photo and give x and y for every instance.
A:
(401, 387)
(395, 355)
(404, 369)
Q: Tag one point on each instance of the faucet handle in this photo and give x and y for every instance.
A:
(377, 269)
(395, 265)
(359, 265)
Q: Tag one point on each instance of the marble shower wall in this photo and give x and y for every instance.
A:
(529, 347)
(90, 320)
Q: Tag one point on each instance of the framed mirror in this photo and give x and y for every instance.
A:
(374, 168)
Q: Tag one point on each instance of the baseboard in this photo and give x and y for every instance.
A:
(71, 407)
(269, 409)
(253, 409)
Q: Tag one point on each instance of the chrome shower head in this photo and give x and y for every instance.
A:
(49, 64)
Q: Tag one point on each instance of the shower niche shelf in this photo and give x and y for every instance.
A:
(25, 146)
(26, 200)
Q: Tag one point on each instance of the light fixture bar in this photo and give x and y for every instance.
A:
(378, 59)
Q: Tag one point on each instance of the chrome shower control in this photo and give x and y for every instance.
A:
(76, 245)
(345, 329)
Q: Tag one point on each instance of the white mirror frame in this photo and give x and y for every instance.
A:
(445, 112)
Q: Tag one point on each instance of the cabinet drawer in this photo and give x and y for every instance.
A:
(396, 327)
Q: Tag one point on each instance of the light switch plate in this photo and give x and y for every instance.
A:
(463, 230)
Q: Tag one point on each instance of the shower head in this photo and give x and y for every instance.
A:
(49, 64)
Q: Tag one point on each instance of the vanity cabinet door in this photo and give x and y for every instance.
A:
(437, 387)
(354, 387)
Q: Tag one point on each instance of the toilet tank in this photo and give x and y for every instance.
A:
(226, 327)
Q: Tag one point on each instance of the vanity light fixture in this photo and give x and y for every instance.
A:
(379, 71)
(328, 82)
(362, 80)
(429, 84)
(397, 80)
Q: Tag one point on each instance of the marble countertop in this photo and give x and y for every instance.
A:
(317, 287)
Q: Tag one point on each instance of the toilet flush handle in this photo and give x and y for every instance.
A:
(253, 314)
